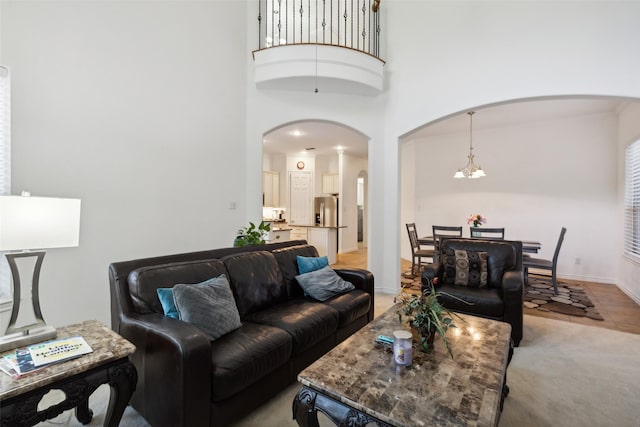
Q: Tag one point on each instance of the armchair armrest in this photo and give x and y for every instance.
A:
(361, 279)
(173, 359)
(513, 282)
(430, 272)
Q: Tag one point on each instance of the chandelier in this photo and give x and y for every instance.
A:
(470, 170)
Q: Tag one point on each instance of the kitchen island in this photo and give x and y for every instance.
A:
(324, 238)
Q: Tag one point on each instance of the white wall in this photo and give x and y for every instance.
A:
(449, 57)
(138, 109)
(628, 132)
(351, 168)
(541, 176)
(408, 185)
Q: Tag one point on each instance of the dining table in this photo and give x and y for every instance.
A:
(528, 246)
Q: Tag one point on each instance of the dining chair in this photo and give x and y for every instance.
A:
(417, 253)
(545, 264)
(443, 231)
(491, 233)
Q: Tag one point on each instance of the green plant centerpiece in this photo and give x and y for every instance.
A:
(427, 317)
(252, 235)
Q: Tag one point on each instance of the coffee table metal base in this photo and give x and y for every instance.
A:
(121, 375)
(308, 402)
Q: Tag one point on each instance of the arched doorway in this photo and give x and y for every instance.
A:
(362, 183)
(550, 162)
(328, 157)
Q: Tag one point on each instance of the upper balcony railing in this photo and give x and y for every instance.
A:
(353, 24)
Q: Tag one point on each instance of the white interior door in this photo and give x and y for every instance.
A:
(301, 198)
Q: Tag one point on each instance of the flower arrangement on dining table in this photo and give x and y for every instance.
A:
(476, 220)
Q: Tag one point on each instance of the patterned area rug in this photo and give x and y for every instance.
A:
(409, 281)
(571, 299)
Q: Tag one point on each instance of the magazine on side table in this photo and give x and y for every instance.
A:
(37, 356)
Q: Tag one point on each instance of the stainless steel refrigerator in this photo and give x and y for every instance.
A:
(326, 211)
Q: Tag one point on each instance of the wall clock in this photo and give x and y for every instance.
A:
(300, 165)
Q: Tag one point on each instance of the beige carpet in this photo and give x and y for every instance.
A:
(563, 374)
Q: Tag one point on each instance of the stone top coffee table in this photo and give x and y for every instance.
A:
(77, 378)
(358, 381)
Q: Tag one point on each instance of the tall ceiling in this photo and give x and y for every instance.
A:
(325, 138)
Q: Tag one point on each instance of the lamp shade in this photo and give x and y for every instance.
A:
(38, 222)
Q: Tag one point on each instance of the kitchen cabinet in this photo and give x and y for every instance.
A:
(330, 183)
(270, 188)
(298, 233)
(279, 234)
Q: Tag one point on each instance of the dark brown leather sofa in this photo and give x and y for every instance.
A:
(184, 378)
(501, 299)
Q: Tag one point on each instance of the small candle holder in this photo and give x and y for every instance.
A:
(402, 349)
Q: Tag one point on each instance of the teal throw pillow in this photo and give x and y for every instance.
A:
(308, 264)
(168, 304)
(323, 284)
(209, 305)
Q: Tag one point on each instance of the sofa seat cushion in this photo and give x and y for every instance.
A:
(487, 302)
(246, 355)
(350, 306)
(308, 322)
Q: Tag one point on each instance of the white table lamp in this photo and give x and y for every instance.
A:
(29, 225)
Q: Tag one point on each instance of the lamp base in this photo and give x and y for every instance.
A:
(29, 335)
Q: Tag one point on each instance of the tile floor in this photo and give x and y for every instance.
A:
(619, 311)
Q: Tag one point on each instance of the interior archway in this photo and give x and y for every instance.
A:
(549, 162)
(321, 149)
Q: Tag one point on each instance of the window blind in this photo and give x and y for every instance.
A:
(632, 200)
(5, 167)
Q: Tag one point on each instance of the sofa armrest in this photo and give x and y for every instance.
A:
(513, 292)
(361, 279)
(173, 359)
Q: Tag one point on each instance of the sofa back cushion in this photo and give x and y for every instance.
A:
(144, 281)
(501, 255)
(287, 260)
(256, 281)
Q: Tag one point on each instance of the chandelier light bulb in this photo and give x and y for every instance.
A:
(470, 170)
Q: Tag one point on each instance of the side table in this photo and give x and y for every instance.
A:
(77, 378)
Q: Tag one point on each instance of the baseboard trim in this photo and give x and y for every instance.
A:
(630, 293)
(386, 290)
(347, 250)
(605, 280)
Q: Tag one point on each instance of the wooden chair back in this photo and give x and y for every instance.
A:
(444, 231)
(413, 236)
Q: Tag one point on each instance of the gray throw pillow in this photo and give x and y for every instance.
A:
(323, 284)
(209, 306)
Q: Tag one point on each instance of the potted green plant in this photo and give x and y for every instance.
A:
(427, 317)
(252, 235)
